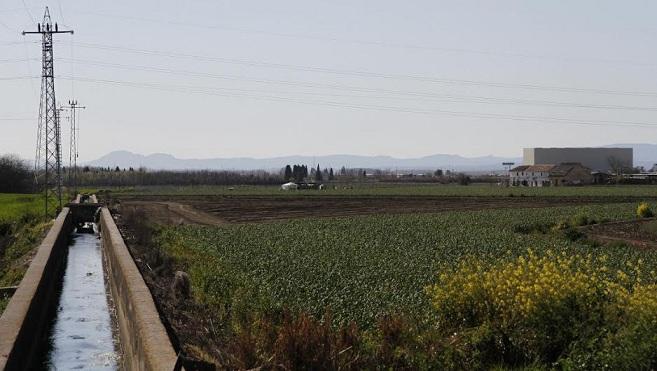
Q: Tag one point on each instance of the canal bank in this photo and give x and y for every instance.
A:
(29, 322)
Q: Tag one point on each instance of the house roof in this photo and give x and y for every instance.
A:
(553, 170)
(533, 168)
(541, 168)
(564, 169)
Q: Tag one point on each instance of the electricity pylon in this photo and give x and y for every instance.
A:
(48, 161)
(73, 151)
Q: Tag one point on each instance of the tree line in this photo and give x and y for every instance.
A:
(299, 173)
(16, 176)
(89, 176)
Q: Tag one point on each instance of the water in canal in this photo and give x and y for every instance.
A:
(82, 334)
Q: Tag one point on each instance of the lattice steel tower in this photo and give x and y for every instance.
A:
(73, 151)
(48, 161)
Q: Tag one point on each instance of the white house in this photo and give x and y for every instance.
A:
(550, 175)
(530, 175)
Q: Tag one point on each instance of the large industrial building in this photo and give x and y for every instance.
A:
(596, 159)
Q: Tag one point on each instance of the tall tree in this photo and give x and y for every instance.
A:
(288, 173)
(318, 174)
(331, 175)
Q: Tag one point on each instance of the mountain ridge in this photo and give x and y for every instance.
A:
(644, 155)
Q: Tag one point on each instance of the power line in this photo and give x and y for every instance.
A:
(19, 78)
(407, 94)
(375, 43)
(12, 43)
(359, 73)
(3, 24)
(18, 60)
(27, 10)
(214, 92)
(12, 10)
(61, 12)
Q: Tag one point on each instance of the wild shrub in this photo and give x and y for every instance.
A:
(298, 342)
(572, 234)
(644, 210)
(582, 219)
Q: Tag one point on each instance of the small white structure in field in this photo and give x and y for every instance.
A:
(289, 186)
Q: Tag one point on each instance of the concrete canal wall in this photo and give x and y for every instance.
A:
(146, 345)
(25, 323)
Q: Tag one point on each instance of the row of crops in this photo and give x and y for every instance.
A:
(362, 267)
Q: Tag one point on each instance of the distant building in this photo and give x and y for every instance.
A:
(601, 177)
(289, 186)
(550, 175)
(597, 159)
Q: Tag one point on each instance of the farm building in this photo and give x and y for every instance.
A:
(550, 175)
(598, 159)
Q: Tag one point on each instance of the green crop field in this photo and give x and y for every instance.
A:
(526, 277)
(394, 189)
(362, 267)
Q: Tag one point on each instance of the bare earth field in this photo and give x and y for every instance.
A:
(216, 210)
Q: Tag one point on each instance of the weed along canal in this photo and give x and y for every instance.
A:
(82, 334)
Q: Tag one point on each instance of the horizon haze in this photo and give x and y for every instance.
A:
(644, 155)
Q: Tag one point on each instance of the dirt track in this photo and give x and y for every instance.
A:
(631, 232)
(167, 212)
(216, 210)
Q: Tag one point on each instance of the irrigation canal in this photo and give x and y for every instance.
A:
(83, 304)
(83, 334)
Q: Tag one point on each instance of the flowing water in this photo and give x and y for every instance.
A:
(82, 333)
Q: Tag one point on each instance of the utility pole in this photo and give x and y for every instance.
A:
(73, 151)
(48, 161)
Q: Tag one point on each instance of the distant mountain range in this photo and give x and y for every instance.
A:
(644, 155)
(125, 159)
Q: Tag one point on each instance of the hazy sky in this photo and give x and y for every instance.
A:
(201, 79)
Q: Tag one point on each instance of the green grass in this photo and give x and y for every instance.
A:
(25, 237)
(363, 267)
(16, 206)
(21, 229)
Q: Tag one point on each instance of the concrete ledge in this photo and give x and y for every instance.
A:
(145, 342)
(24, 324)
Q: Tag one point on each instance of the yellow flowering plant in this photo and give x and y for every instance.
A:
(540, 305)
